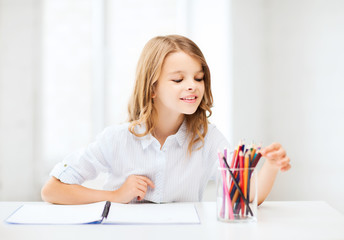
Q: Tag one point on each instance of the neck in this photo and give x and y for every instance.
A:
(167, 125)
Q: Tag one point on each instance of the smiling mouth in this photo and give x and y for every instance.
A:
(189, 98)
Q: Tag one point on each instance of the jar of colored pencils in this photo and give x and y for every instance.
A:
(237, 189)
(237, 195)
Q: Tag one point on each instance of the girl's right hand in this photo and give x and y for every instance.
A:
(134, 186)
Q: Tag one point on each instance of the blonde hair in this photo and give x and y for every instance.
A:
(141, 108)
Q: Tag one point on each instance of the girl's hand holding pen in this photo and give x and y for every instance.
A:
(134, 186)
(276, 156)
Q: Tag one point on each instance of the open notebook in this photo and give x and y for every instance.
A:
(105, 213)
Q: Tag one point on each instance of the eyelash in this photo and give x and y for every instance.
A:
(179, 80)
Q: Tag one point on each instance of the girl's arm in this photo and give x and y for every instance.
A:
(276, 159)
(55, 191)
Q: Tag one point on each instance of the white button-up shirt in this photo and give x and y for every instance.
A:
(177, 176)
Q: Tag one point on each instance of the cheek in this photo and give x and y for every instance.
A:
(201, 89)
(168, 93)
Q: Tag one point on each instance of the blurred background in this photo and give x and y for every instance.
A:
(67, 68)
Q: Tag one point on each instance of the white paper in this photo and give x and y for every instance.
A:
(57, 214)
(145, 213)
(150, 213)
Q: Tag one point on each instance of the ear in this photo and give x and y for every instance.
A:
(153, 91)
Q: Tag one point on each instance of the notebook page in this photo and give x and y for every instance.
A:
(147, 213)
(57, 214)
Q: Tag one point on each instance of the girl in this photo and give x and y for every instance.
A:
(168, 150)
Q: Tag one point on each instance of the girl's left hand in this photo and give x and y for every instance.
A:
(277, 156)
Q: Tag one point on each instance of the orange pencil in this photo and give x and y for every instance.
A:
(245, 176)
(241, 166)
(252, 153)
(235, 197)
(246, 166)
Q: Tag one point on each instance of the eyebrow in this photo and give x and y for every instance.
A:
(177, 72)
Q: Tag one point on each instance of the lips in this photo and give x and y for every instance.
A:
(189, 99)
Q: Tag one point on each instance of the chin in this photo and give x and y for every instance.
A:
(190, 112)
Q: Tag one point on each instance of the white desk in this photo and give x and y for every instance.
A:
(276, 220)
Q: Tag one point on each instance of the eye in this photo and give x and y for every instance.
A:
(177, 81)
(199, 79)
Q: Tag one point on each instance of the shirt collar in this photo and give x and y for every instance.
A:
(181, 134)
(147, 140)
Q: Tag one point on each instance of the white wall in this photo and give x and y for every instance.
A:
(305, 83)
(205, 22)
(293, 53)
(286, 84)
(249, 61)
(19, 74)
(66, 93)
(67, 68)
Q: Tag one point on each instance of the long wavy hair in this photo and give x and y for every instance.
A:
(141, 107)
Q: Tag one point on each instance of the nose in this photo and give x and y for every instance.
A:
(191, 86)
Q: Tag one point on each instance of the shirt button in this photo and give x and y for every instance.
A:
(65, 165)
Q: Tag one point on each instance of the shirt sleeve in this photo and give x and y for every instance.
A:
(87, 163)
(218, 142)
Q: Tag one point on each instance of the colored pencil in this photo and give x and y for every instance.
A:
(237, 186)
(226, 190)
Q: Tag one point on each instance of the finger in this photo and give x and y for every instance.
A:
(285, 164)
(147, 180)
(284, 169)
(284, 161)
(142, 182)
(276, 154)
(271, 147)
(141, 196)
(142, 185)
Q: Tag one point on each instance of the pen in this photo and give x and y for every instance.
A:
(106, 210)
